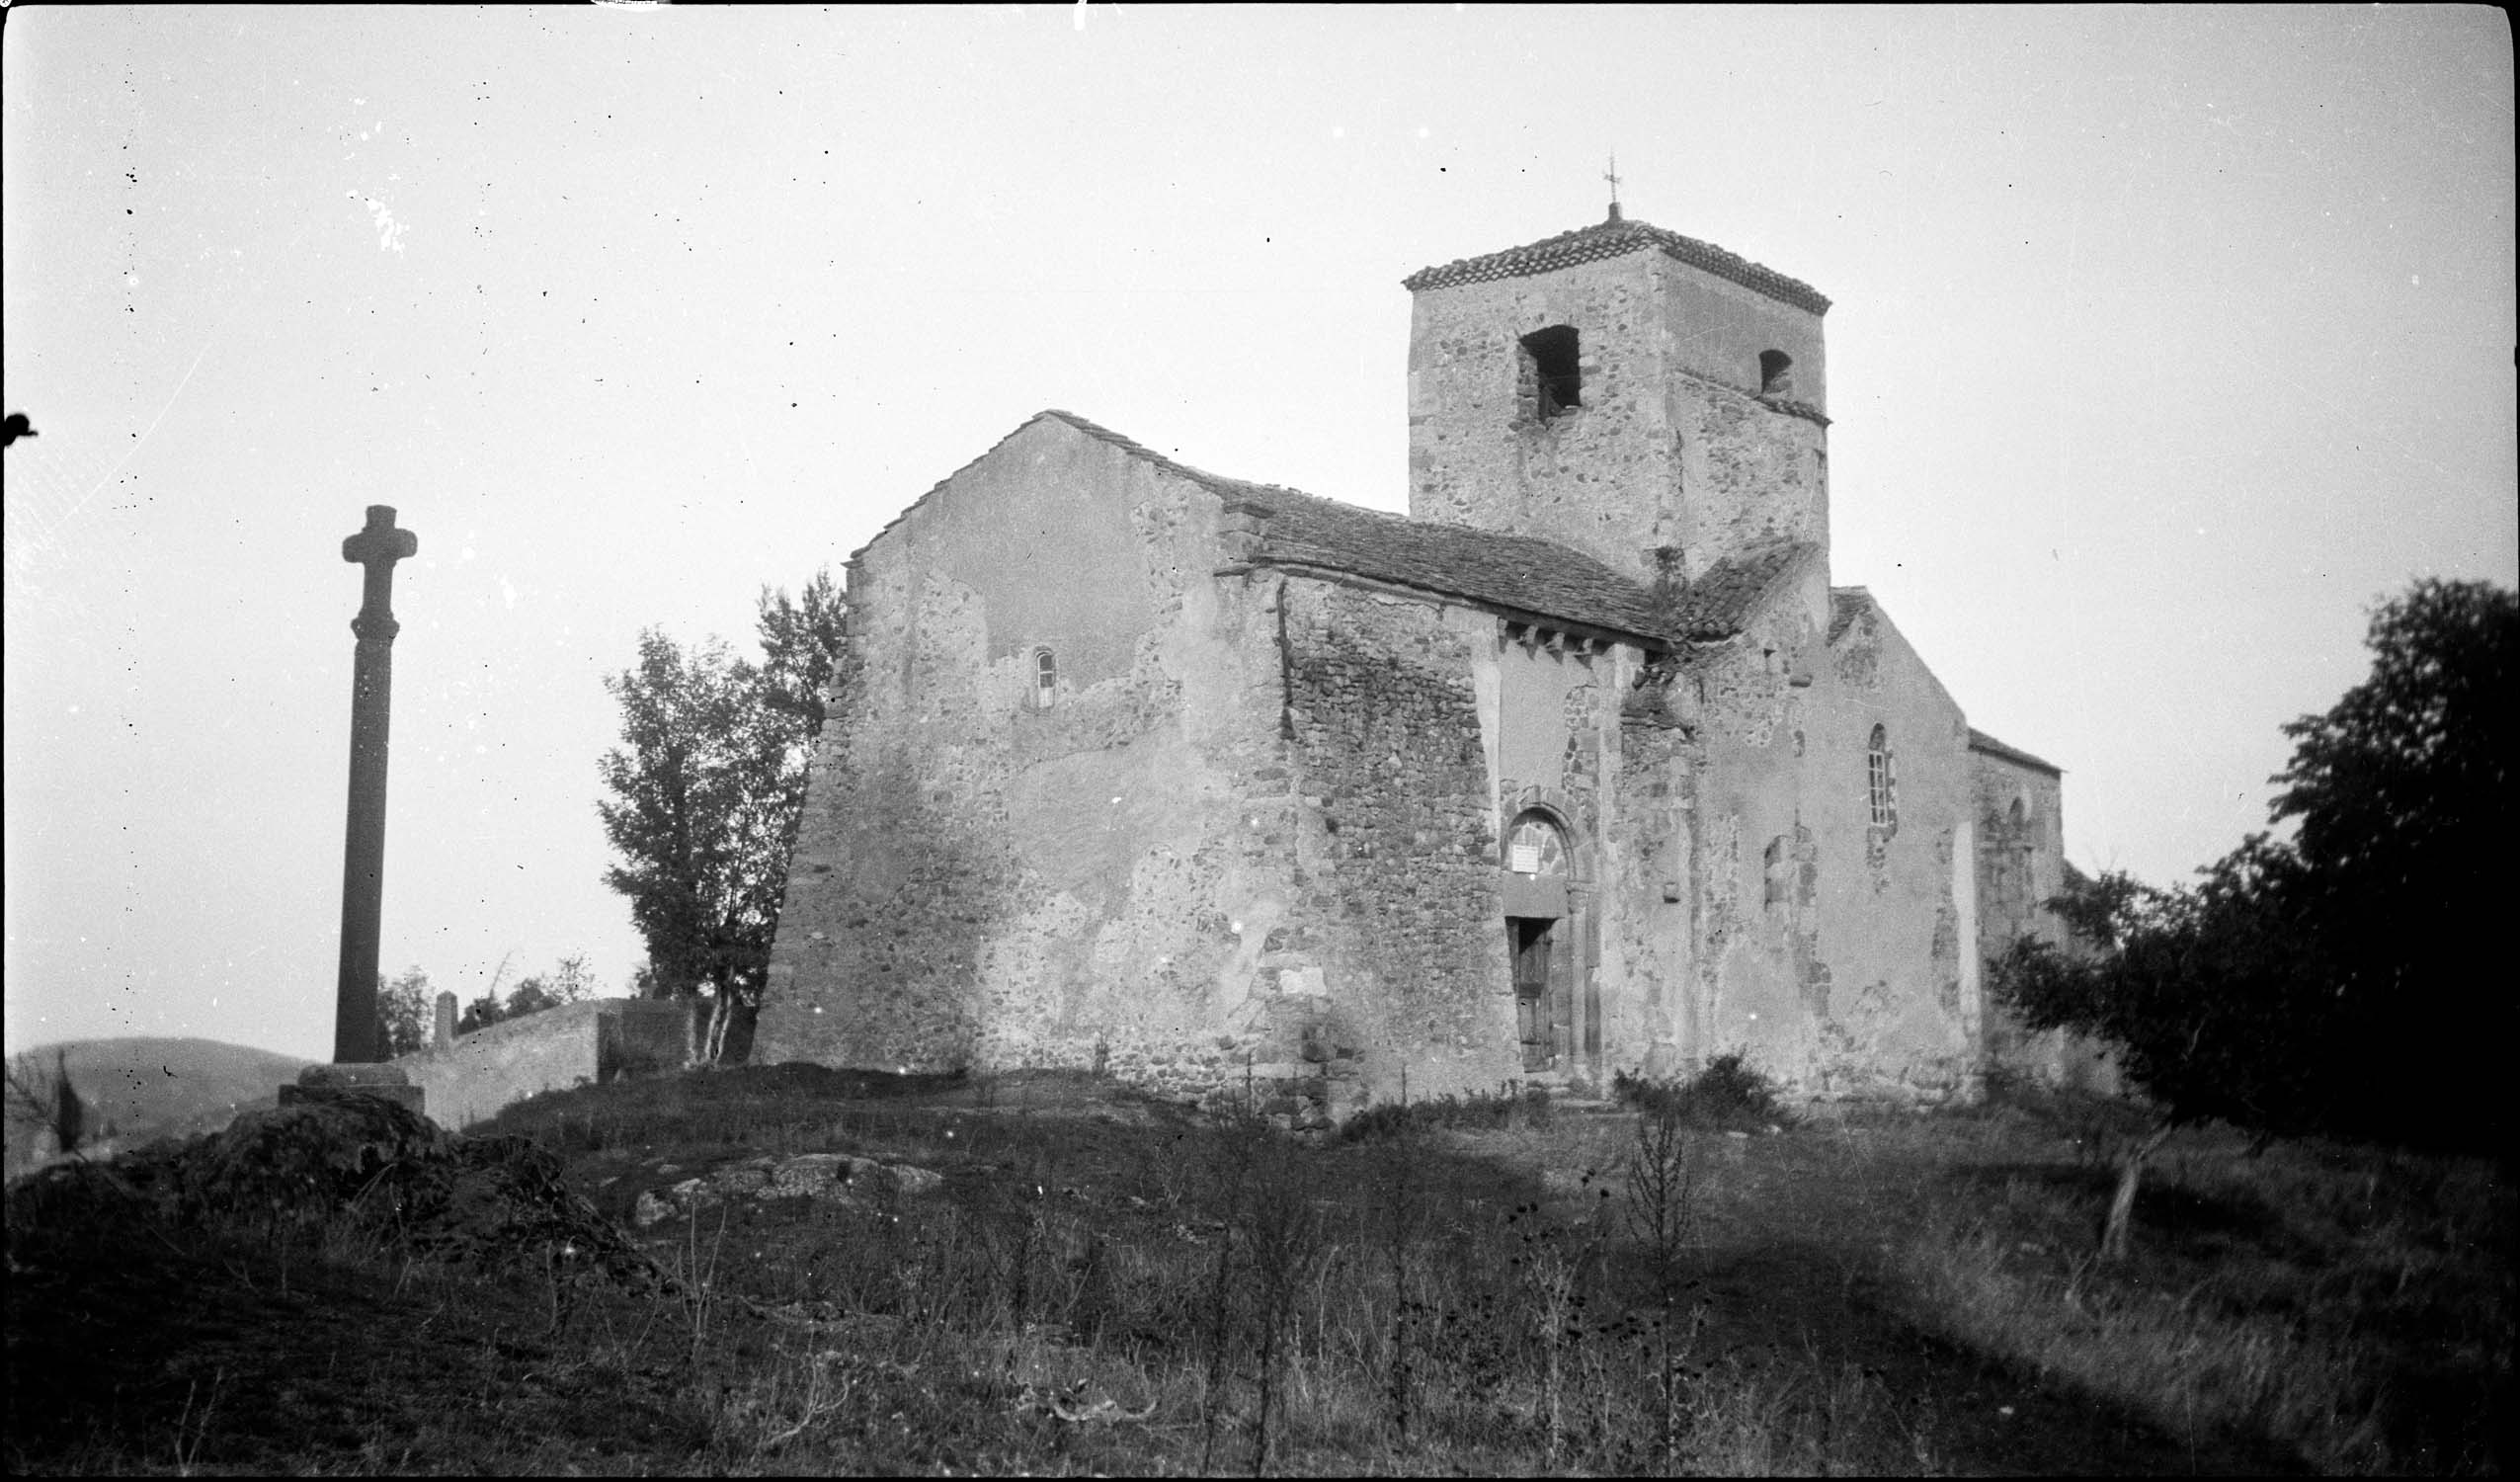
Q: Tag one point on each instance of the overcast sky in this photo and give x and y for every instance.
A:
(2165, 341)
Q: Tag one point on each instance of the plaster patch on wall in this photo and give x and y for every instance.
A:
(1081, 820)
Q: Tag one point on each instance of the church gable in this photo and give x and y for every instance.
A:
(1023, 825)
(1044, 539)
(1836, 898)
(1870, 655)
(1891, 744)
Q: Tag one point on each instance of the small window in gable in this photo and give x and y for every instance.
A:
(2018, 815)
(1553, 370)
(1775, 374)
(1883, 783)
(1046, 679)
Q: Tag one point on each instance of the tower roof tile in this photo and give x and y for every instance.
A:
(1617, 237)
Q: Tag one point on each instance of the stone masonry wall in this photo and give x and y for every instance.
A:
(2020, 851)
(1651, 1011)
(1750, 468)
(1396, 853)
(1565, 740)
(479, 1074)
(2020, 813)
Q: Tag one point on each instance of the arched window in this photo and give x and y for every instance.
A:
(1046, 679)
(2018, 814)
(1534, 846)
(1883, 783)
(1775, 374)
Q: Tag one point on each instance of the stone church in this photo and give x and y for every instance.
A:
(1581, 767)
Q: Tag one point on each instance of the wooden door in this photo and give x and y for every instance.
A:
(1533, 1020)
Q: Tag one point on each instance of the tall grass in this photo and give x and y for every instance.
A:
(2282, 1295)
(1104, 1286)
(1298, 1308)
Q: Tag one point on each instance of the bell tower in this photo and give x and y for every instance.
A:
(1649, 399)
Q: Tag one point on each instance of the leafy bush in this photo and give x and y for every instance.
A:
(1478, 1111)
(1729, 1093)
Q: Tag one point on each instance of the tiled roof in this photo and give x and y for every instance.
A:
(1615, 238)
(1980, 741)
(1718, 604)
(1535, 576)
(1518, 572)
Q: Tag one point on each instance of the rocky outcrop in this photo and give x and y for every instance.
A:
(843, 1178)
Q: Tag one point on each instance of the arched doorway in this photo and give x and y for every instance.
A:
(1539, 931)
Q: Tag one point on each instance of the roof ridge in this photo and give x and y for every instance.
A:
(938, 486)
(1219, 482)
(1215, 482)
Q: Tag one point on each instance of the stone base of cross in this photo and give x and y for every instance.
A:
(318, 1082)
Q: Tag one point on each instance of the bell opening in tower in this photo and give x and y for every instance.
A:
(1554, 366)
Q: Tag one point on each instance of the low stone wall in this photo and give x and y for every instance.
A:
(586, 1044)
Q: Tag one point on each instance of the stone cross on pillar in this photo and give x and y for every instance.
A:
(363, 872)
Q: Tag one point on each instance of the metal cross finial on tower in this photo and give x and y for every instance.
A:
(1612, 176)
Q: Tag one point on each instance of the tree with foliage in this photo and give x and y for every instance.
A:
(532, 995)
(481, 1013)
(406, 1012)
(2202, 996)
(572, 981)
(706, 790)
(2323, 984)
(2403, 800)
(804, 645)
(566, 983)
